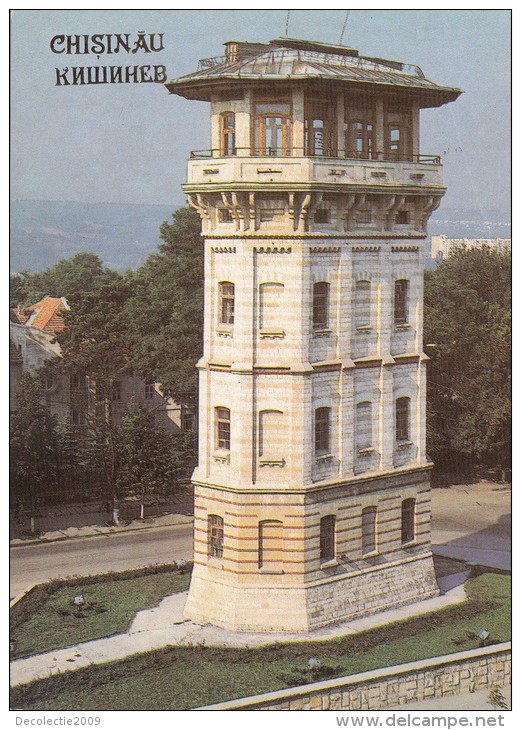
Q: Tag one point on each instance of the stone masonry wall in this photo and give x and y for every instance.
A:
(469, 671)
(372, 591)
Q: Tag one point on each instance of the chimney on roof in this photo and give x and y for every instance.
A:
(240, 50)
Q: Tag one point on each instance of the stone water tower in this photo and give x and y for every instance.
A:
(312, 499)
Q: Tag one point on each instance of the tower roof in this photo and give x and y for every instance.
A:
(289, 60)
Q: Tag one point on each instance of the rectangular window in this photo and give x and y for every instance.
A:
(368, 530)
(364, 425)
(78, 418)
(215, 536)
(364, 216)
(271, 307)
(226, 302)
(116, 390)
(327, 538)
(224, 215)
(320, 305)
(322, 430)
(272, 128)
(322, 215)
(228, 134)
(272, 435)
(403, 419)
(223, 430)
(78, 379)
(401, 301)
(362, 304)
(408, 519)
(402, 217)
(149, 389)
(187, 419)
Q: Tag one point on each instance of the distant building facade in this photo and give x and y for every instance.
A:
(442, 246)
(75, 396)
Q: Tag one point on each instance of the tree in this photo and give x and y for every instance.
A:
(68, 278)
(165, 313)
(467, 337)
(34, 445)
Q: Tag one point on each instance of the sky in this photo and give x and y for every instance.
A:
(128, 143)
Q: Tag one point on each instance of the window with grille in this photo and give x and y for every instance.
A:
(362, 304)
(408, 519)
(321, 305)
(327, 538)
(222, 427)
(228, 134)
(226, 302)
(368, 530)
(215, 536)
(401, 301)
(149, 389)
(322, 430)
(403, 419)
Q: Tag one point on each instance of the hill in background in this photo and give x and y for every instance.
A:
(42, 232)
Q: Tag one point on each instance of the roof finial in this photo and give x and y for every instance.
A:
(287, 22)
(343, 28)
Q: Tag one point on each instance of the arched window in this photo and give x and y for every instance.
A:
(327, 538)
(228, 134)
(320, 305)
(403, 417)
(362, 304)
(215, 536)
(222, 428)
(368, 530)
(322, 430)
(226, 302)
(271, 554)
(401, 301)
(408, 520)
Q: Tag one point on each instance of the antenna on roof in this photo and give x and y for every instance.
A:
(287, 22)
(343, 27)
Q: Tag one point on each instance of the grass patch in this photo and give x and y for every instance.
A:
(179, 678)
(109, 608)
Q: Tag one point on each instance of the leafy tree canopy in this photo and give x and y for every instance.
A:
(68, 278)
(165, 313)
(468, 336)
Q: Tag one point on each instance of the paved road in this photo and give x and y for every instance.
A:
(469, 523)
(34, 563)
(473, 523)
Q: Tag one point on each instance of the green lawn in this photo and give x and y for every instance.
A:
(179, 678)
(110, 607)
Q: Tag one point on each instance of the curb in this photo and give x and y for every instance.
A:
(20, 542)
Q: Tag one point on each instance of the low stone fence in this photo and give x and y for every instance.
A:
(467, 671)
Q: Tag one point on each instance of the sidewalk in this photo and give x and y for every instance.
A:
(164, 625)
(96, 530)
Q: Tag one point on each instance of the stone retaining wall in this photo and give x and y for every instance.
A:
(468, 671)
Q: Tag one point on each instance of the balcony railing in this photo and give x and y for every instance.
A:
(300, 152)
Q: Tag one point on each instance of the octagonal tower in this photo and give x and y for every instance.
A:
(312, 500)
